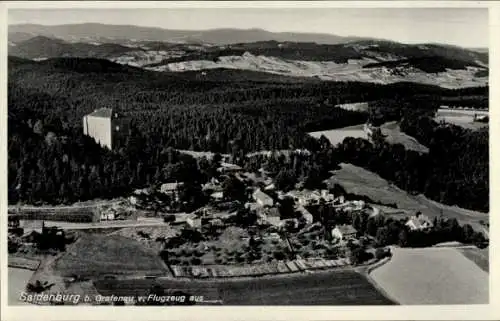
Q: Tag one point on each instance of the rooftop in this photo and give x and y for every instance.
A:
(170, 186)
(258, 194)
(346, 229)
(420, 221)
(102, 112)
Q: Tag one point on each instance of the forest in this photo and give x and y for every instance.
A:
(50, 161)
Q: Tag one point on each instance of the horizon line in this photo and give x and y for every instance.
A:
(247, 29)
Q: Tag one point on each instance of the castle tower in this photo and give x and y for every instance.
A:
(99, 126)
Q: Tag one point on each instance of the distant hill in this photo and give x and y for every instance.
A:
(111, 33)
(44, 47)
(427, 64)
(285, 54)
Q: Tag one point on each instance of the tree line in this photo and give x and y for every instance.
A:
(50, 161)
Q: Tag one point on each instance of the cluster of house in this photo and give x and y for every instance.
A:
(266, 206)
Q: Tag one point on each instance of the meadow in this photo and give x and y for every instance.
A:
(94, 255)
(337, 136)
(361, 182)
(324, 288)
(432, 276)
(461, 117)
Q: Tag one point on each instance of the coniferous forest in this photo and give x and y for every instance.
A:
(52, 162)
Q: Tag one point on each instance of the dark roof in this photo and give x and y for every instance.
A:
(102, 112)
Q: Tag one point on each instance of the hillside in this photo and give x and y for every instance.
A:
(41, 47)
(372, 61)
(201, 112)
(102, 32)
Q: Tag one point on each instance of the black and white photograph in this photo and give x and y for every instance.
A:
(225, 156)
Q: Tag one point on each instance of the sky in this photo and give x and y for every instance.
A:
(466, 27)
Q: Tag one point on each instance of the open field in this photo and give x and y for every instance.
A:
(463, 215)
(327, 288)
(17, 280)
(359, 181)
(394, 135)
(337, 136)
(96, 255)
(461, 117)
(432, 276)
(391, 130)
(479, 256)
(23, 263)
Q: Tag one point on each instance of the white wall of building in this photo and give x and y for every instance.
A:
(100, 129)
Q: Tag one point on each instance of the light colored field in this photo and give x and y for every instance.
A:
(337, 136)
(329, 70)
(432, 276)
(394, 135)
(359, 181)
(461, 117)
(17, 280)
(391, 130)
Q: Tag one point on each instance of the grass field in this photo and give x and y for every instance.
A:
(394, 135)
(95, 255)
(337, 136)
(327, 288)
(17, 280)
(460, 117)
(432, 276)
(479, 256)
(391, 130)
(358, 181)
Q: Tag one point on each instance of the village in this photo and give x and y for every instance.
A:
(247, 227)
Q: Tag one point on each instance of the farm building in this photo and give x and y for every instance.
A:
(344, 232)
(262, 198)
(194, 222)
(419, 222)
(102, 125)
(217, 196)
(269, 216)
(171, 189)
(306, 197)
(108, 215)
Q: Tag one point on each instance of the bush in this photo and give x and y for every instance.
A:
(195, 261)
(381, 253)
(169, 218)
(279, 256)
